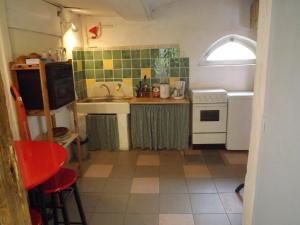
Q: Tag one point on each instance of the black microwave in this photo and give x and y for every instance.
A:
(60, 85)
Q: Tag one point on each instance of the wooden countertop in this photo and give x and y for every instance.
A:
(157, 101)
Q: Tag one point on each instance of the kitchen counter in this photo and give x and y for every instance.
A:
(157, 101)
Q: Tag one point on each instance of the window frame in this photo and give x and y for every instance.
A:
(247, 42)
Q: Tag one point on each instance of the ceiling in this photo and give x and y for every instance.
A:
(128, 9)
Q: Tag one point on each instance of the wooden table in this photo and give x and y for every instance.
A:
(38, 161)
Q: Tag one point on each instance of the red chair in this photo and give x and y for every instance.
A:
(35, 216)
(63, 182)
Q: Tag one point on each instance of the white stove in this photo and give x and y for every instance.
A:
(209, 116)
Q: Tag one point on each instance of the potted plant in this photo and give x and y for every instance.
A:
(161, 67)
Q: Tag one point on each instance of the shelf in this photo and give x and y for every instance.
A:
(25, 67)
(65, 143)
(40, 112)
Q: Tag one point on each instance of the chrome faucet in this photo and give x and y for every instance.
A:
(107, 88)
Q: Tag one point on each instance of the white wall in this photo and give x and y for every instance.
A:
(273, 184)
(194, 25)
(37, 29)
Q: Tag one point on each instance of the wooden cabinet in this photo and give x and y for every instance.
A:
(48, 114)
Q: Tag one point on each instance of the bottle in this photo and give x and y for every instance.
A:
(155, 90)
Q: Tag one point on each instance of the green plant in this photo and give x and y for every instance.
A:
(161, 65)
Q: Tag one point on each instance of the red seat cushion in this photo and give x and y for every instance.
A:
(64, 179)
(36, 218)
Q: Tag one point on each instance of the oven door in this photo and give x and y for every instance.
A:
(209, 118)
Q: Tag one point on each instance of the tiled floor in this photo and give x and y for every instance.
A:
(162, 188)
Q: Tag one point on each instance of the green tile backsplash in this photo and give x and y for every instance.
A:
(118, 64)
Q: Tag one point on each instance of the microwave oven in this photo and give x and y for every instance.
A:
(60, 85)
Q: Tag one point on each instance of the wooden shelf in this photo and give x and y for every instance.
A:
(25, 67)
(46, 112)
(65, 143)
(41, 112)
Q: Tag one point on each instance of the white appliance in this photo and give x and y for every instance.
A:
(209, 116)
(239, 120)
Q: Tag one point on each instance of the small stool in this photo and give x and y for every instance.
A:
(36, 218)
(64, 180)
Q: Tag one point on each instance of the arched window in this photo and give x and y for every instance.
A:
(231, 49)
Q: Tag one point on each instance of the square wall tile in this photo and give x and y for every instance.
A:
(136, 73)
(127, 73)
(98, 55)
(145, 63)
(79, 65)
(108, 74)
(136, 63)
(99, 74)
(74, 55)
(154, 53)
(98, 170)
(118, 73)
(135, 54)
(126, 63)
(174, 72)
(107, 64)
(90, 82)
(107, 54)
(145, 185)
(117, 54)
(174, 62)
(128, 82)
(148, 160)
(98, 64)
(90, 74)
(126, 54)
(146, 72)
(176, 219)
(89, 64)
(88, 55)
(145, 53)
(184, 62)
(117, 64)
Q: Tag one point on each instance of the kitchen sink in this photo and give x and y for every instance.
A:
(109, 105)
(104, 105)
(104, 99)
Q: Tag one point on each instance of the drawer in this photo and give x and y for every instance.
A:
(209, 138)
